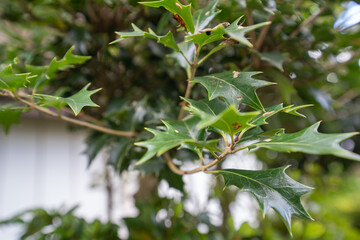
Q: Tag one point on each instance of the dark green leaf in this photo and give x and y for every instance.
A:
(234, 87)
(175, 7)
(272, 189)
(309, 140)
(11, 81)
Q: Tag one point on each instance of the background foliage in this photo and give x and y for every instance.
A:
(141, 86)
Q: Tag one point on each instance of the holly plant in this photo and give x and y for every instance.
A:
(229, 119)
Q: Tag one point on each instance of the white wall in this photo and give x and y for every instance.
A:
(42, 165)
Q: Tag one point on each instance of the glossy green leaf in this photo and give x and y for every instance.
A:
(177, 132)
(214, 113)
(237, 32)
(167, 40)
(175, 7)
(309, 140)
(272, 189)
(46, 73)
(76, 102)
(9, 117)
(11, 81)
(274, 58)
(203, 16)
(234, 87)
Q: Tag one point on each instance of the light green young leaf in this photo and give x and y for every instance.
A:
(177, 133)
(215, 113)
(291, 109)
(309, 140)
(46, 73)
(167, 40)
(272, 189)
(203, 16)
(175, 7)
(234, 87)
(237, 32)
(76, 102)
(11, 81)
(81, 99)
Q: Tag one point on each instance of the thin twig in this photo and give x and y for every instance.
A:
(309, 20)
(194, 65)
(75, 121)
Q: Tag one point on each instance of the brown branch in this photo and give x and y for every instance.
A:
(309, 20)
(264, 31)
(202, 168)
(74, 121)
(250, 21)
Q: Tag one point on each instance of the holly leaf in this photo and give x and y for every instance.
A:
(81, 99)
(167, 40)
(9, 117)
(234, 87)
(176, 8)
(177, 132)
(272, 189)
(76, 102)
(237, 32)
(309, 140)
(43, 74)
(203, 16)
(215, 113)
(11, 81)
